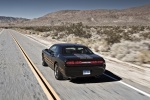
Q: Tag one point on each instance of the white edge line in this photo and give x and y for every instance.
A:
(31, 38)
(138, 90)
(1, 31)
(35, 40)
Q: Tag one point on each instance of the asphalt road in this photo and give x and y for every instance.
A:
(18, 82)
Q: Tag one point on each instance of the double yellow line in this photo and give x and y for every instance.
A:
(48, 90)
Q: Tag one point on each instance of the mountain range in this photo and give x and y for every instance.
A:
(99, 17)
(7, 21)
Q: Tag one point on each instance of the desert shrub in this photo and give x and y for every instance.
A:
(132, 51)
(117, 29)
(27, 28)
(45, 34)
(135, 29)
(111, 36)
(60, 35)
(142, 28)
(144, 56)
(40, 28)
(131, 31)
(53, 37)
(61, 28)
(77, 30)
(126, 36)
(73, 39)
(148, 28)
(145, 35)
(101, 46)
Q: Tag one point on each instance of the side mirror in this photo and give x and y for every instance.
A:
(46, 49)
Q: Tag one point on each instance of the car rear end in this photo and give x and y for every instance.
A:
(80, 61)
(84, 68)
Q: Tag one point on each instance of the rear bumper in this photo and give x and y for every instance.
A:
(74, 72)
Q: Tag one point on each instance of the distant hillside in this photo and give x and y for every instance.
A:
(100, 17)
(131, 16)
(7, 21)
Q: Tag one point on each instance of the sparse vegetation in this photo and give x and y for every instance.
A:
(77, 30)
(127, 43)
(145, 35)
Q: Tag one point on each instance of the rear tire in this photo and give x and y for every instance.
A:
(57, 73)
(44, 63)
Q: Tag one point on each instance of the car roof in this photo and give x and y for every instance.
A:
(68, 44)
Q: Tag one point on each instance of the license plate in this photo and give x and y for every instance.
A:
(86, 72)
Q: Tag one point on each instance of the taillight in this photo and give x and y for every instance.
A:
(78, 62)
(97, 62)
(73, 62)
(100, 62)
(70, 62)
(84, 62)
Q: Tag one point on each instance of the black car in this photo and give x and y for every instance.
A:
(72, 61)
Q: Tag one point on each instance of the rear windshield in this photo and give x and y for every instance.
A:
(76, 50)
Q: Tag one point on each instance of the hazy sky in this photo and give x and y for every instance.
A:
(36, 8)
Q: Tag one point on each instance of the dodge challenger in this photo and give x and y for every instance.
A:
(72, 61)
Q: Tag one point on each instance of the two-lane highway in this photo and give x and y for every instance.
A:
(16, 76)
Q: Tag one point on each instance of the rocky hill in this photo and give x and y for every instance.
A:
(100, 17)
(131, 16)
(9, 21)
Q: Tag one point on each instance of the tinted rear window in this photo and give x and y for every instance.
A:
(76, 50)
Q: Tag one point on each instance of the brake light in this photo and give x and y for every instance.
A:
(97, 62)
(70, 62)
(73, 62)
(84, 62)
(100, 62)
(78, 62)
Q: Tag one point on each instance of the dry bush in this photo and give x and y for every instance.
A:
(78, 30)
(98, 46)
(112, 37)
(45, 34)
(119, 50)
(76, 40)
(126, 36)
(131, 51)
(145, 35)
(144, 56)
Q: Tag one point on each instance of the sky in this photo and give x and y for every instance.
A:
(36, 8)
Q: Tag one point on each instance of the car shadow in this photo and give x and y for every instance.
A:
(106, 77)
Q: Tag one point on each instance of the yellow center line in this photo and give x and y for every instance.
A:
(48, 90)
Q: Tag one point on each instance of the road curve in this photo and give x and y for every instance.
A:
(103, 88)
